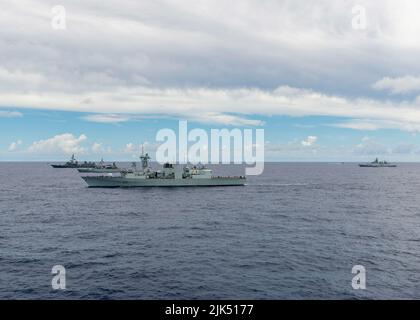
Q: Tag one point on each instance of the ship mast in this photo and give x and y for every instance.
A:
(144, 159)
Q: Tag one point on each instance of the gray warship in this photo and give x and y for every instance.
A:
(377, 164)
(170, 176)
(74, 164)
(101, 167)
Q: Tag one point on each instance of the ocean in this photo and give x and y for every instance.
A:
(294, 232)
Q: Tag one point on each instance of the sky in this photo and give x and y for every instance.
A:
(327, 80)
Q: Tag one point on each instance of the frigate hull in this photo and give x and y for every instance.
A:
(122, 182)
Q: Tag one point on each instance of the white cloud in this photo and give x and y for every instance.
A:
(369, 147)
(222, 118)
(97, 148)
(106, 118)
(227, 106)
(14, 145)
(399, 85)
(64, 143)
(130, 148)
(404, 148)
(310, 141)
(372, 125)
(209, 61)
(205, 117)
(359, 125)
(10, 114)
(134, 150)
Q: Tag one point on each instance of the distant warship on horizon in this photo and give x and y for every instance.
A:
(73, 163)
(377, 164)
(101, 167)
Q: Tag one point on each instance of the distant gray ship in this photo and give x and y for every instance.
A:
(101, 167)
(377, 164)
(74, 164)
(170, 176)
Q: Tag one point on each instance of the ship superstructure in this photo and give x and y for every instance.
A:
(101, 167)
(171, 175)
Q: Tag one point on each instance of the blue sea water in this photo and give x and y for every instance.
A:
(294, 232)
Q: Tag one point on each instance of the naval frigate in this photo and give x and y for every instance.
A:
(377, 164)
(74, 164)
(170, 176)
(101, 167)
